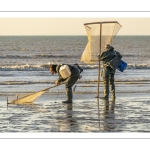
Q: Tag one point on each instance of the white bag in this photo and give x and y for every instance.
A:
(65, 71)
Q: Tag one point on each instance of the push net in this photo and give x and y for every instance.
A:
(28, 99)
(99, 34)
(31, 97)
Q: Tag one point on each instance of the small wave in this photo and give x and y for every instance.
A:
(55, 56)
(45, 67)
(38, 56)
(26, 67)
(138, 66)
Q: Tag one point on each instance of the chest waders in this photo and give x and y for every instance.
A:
(70, 82)
(108, 79)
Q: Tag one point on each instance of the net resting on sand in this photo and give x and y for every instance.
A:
(28, 99)
(99, 34)
(31, 97)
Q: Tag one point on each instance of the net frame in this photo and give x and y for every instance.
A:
(99, 34)
(97, 38)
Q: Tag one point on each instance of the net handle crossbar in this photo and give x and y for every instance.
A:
(101, 22)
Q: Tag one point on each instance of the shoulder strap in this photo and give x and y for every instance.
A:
(113, 53)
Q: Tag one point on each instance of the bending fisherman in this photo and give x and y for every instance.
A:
(70, 73)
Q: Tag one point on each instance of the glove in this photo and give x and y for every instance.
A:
(80, 77)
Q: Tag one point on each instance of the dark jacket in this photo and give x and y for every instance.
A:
(106, 56)
(73, 69)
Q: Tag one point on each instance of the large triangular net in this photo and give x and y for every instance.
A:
(99, 34)
(28, 98)
(31, 97)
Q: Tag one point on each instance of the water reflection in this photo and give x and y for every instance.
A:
(27, 107)
(68, 122)
(98, 114)
(112, 115)
(109, 116)
(112, 106)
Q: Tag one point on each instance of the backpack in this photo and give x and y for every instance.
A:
(78, 67)
(114, 62)
(117, 63)
(65, 71)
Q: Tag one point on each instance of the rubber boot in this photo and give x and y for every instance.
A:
(69, 95)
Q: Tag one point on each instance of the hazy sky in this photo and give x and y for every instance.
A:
(68, 26)
(42, 17)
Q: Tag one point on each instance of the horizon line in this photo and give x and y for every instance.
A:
(75, 35)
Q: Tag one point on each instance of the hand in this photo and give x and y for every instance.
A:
(57, 83)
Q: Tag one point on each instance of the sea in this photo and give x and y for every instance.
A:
(24, 62)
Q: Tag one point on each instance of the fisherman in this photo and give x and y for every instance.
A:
(70, 81)
(107, 72)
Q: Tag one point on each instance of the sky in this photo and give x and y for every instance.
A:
(44, 17)
(68, 25)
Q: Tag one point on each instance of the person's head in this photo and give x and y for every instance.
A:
(52, 69)
(107, 46)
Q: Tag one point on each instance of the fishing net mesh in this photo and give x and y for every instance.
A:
(28, 98)
(99, 34)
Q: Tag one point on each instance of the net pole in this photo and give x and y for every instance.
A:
(99, 76)
(99, 62)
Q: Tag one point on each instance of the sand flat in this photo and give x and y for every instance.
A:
(128, 113)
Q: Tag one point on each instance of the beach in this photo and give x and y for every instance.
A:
(24, 71)
(125, 115)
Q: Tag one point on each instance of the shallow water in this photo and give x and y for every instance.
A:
(129, 112)
(123, 115)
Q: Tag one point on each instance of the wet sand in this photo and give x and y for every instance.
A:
(130, 112)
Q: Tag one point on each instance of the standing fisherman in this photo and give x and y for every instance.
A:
(107, 72)
(71, 73)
